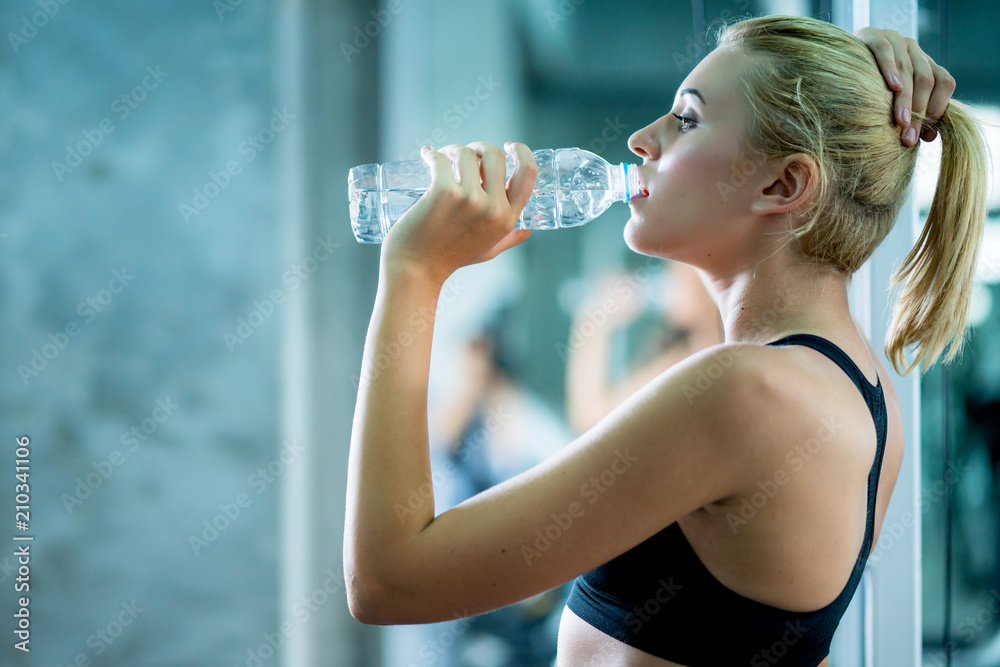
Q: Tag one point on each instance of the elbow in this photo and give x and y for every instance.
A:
(364, 612)
(362, 586)
(369, 596)
(365, 601)
(379, 590)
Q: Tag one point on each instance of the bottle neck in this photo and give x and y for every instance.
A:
(625, 182)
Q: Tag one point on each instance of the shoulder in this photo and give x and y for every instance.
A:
(730, 380)
(722, 371)
(755, 401)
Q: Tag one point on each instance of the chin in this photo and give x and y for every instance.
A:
(637, 239)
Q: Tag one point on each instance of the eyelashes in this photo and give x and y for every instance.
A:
(685, 121)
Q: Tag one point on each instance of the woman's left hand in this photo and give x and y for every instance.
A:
(920, 84)
(457, 223)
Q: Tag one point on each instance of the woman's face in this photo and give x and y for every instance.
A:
(698, 208)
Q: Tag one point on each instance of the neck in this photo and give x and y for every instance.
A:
(780, 296)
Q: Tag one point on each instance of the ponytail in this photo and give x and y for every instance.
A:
(936, 276)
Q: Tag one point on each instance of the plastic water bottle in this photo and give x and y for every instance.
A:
(574, 186)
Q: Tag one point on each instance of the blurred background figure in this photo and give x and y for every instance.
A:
(486, 427)
(686, 320)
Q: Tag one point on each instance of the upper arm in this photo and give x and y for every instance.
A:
(675, 446)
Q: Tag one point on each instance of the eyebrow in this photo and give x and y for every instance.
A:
(694, 91)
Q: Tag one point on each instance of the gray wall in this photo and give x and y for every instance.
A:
(159, 340)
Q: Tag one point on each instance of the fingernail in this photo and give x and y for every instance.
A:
(425, 148)
(895, 80)
(911, 134)
(906, 115)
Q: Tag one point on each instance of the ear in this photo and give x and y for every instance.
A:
(788, 185)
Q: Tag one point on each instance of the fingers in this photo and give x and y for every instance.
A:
(482, 167)
(943, 90)
(440, 166)
(903, 67)
(921, 85)
(467, 162)
(522, 182)
(884, 55)
(493, 166)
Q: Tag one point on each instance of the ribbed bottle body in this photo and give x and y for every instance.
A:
(573, 187)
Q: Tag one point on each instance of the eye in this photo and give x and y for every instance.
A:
(685, 121)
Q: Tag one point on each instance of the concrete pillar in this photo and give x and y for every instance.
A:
(327, 55)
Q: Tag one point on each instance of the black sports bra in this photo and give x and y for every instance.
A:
(660, 598)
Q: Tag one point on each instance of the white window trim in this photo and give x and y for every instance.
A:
(884, 624)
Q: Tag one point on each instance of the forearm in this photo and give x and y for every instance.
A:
(389, 464)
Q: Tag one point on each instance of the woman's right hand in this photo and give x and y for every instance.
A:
(921, 84)
(457, 223)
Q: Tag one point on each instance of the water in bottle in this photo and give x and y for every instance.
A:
(574, 186)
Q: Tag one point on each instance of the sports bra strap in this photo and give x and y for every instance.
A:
(837, 356)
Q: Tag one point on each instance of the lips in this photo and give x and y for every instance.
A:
(644, 192)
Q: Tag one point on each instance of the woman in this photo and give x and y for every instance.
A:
(776, 174)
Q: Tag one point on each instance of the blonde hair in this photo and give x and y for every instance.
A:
(818, 91)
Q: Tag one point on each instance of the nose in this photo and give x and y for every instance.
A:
(644, 144)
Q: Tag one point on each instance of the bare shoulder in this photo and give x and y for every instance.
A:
(746, 381)
(767, 400)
